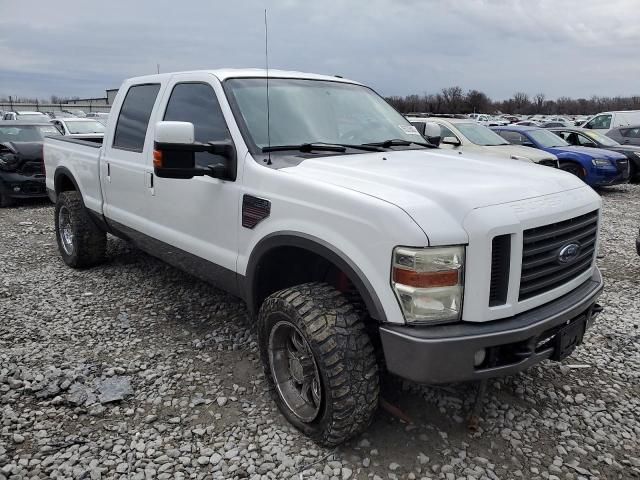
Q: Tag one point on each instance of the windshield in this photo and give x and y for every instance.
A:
(602, 139)
(89, 126)
(25, 133)
(316, 111)
(480, 135)
(547, 139)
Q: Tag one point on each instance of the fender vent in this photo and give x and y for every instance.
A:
(500, 264)
(254, 210)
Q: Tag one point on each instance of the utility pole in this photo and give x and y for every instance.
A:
(11, 102)
(158, 67)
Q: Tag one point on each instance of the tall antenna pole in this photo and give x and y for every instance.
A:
(266, 61)
(158, 67)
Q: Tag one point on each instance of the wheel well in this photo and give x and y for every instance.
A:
(286, 266)
(64, 183)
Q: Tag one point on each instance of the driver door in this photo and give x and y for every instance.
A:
(199, 215)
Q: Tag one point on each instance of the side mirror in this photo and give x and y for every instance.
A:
(432, 133)
(174, 153)
(450, 141)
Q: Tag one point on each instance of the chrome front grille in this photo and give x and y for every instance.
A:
(543, 265)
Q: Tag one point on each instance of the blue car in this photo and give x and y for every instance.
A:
(595, 166)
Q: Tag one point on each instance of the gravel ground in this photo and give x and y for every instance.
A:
(136, 370)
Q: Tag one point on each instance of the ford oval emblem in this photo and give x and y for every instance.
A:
(568, 253)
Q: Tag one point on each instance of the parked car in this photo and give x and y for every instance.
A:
(469, 137)
(591, 138)
(79, 127)
(597, 167)
(25, 116)
(607, 120)
(21, 162)
(626, 135)
(60, 114)
(99, 116)
(76, 112)
(348, 235)
(553, 124)
(528, 123)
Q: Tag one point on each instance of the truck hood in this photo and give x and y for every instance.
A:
(435, 187)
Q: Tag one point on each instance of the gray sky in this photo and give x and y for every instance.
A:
(558, 47)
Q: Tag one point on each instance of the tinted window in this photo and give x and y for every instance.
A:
(197, 103)
(420, 126)
(513, 137)
(633, 132)
(133, 120)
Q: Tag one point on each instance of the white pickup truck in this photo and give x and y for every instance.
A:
(355, 243)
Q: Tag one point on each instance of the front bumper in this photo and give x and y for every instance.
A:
(445, 353)
(18, 186)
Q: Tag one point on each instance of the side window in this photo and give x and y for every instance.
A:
(133, 119)
(601, 121)
(585, 141)
(420, 126)
(563, 135)
(445, 132)
(633, 132)
(197, 103)
(512, 137)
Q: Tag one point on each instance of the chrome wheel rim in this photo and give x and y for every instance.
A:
(294, 371)
(65, 231)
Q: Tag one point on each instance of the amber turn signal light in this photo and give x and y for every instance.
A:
(444, 278)
(157, 159)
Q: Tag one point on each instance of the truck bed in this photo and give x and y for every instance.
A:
(81, 158)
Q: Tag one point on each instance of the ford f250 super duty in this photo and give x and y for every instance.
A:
(355, 243)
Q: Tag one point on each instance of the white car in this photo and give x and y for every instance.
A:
(605, 121)
(469, 137)
(26, 116)
(349, 237)
(79, 127)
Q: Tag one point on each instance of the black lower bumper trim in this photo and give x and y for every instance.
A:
(446, 353)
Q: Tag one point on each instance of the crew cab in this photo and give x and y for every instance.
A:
(351, 238)
(595, 166)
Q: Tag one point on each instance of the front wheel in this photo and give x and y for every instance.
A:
(80, 241)
(573, 169)
(319, 361)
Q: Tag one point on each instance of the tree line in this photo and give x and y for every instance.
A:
(52, 99)
(455, 100)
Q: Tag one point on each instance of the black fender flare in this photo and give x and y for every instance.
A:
(60, 171)
(319, 247)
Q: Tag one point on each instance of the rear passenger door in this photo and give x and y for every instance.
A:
(123, 165)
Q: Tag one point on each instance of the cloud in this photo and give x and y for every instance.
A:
(559, 47)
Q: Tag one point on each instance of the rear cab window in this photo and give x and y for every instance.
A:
(133, 118)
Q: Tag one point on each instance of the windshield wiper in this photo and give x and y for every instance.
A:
(320, 147)
(398, 142)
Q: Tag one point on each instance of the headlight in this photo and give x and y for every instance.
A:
(601, 162)
(428, 283)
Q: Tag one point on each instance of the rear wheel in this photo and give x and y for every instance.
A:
(80, 241)
(319, 361)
